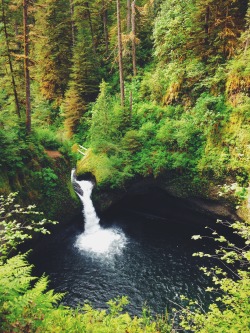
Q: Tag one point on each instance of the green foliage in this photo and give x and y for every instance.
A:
(106, 120)
(17, 223)
(17, 149)
(47, 138)
(230, 311)
(52, 50)
(174, 17)
(22, 307)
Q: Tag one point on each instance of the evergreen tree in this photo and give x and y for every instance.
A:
(84, 78)
(26, 65)
(53, 48)
(10, 61)
(221, 23)
(120, 60)
(11, 55)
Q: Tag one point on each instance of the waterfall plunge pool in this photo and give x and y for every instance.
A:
(129, 252)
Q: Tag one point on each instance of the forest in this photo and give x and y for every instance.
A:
(122, 90)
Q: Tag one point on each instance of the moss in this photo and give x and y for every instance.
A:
(46, 183)
(98, 164)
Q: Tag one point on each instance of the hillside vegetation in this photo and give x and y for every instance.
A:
(123, 89)
(171, 94)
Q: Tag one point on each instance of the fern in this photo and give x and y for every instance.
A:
(23, 307)
(15, 277)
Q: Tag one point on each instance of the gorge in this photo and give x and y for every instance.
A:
(127, 251)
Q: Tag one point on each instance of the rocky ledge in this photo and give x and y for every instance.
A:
(199, 198)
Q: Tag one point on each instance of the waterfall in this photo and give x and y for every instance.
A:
(95, 239)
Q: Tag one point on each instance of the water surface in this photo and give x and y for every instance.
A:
(154, 265)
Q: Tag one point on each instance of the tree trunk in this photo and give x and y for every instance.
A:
(206, 27)
(133, 39)
(128, 16)
(120, 52)
(26, 65)
(246, 46)
(225, 51)
(105, 25)
(10, 61)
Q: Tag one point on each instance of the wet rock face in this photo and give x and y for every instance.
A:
(87, 176)
(144, 189)
(77, 188)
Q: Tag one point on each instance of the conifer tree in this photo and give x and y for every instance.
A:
(221, 24)
(105, 25)
(26, 65)
(7, 42)
(133, 37)
(119, 37)
(72, 21)
(53, 48)
(12, 55)
(84, 78)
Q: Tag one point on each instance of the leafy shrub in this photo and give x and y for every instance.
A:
(132, 141)
(17, 223)
(10, 149)
(47, 137)
(230, 311)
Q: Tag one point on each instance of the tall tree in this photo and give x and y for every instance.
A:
(128, 16)
(119, 36)
(88, 14)
(221, 23)
(105, 25)
(133, 37)
(26, 65)
(53, 48)
(84, 78)
(13, 81)
(72, 21)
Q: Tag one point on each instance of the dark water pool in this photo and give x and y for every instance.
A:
(154, 267)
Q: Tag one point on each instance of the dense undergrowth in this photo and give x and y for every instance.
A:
(27, 168)
(186, 111)
(205, 137)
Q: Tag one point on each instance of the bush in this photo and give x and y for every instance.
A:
(230, 311)
(47, 138)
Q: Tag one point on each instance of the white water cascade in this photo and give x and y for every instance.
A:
(95, 239)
